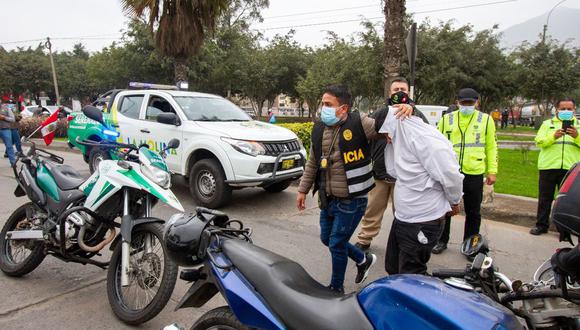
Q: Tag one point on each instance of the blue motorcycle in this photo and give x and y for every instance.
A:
(267, 291)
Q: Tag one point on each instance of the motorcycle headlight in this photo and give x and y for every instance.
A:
(157, 175)
(251, 148)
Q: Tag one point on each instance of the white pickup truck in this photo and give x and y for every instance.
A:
(221, 147)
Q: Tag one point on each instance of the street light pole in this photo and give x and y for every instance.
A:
(48, 45)
(544, 47)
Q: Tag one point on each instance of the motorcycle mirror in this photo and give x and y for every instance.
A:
(94, 114)
(172, 144)
(473, 245)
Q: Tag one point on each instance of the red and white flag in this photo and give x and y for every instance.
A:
(48, 127)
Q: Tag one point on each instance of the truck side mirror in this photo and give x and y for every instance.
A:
(168, 118)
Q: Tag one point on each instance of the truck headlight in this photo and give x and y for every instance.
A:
(157, 175)
(251, 148)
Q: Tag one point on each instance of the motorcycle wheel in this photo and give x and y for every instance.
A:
(151, 280)
(221, 318)
(18, 258)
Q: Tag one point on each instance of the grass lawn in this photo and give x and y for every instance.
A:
(517, 129)
(514, 138)
(516, 176)
(62, 139)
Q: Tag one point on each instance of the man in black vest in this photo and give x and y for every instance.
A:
(340, 169)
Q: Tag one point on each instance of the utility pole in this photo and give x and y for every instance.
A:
(48, 45)
(411, 44)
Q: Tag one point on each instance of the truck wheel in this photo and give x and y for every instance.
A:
(278, 186)
(96, 156)
(207, 184)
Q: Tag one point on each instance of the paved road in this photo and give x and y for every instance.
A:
(58, 295)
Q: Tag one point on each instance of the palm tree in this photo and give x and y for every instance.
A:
(180, 26)
(394, 11)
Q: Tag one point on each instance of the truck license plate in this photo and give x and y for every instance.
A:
(287, 164)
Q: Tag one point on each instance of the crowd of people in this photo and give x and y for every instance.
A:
(358, 164)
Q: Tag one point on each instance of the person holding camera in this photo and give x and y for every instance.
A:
(472, 134)
(339, 167)
(559, 150)
(384, 184)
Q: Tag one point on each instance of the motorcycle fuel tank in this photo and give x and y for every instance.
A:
(422, 302)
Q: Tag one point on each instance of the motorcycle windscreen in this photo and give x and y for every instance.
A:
(422, 302)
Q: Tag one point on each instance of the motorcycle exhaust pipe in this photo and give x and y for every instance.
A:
(98, 247)
(36, 235)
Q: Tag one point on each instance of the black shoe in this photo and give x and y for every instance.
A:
(363, 270)
(440, 247)
(5, 155)
(364, 247)
(538, 230)
(339, 291)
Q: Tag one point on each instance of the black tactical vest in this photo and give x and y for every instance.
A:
(355, 153)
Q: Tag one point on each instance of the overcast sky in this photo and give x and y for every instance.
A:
(97, 23)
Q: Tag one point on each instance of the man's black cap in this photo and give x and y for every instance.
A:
(467, 94)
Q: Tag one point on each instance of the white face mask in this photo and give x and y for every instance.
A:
(467, 109)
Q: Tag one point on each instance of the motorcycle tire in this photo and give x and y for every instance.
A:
(28, 264)
(97, 155)
(219, 318)
(121, 308)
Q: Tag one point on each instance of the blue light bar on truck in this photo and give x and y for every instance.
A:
(140, 85)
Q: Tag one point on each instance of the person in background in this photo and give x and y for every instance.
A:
(14, 129)
(505, 115)
(6, 120)
(472, 134)
(382, 193)
(559, 145)
(428, 187)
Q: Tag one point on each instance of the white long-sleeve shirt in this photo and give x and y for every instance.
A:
(426, 168)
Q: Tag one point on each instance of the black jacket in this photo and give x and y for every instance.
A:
(378, 149)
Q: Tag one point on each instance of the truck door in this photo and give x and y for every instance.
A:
(128, 118)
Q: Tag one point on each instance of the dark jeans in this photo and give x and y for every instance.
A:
(16, 139)
(472, 197)
(6, 135)
(406, 254)
(549, 181)
(337, 223)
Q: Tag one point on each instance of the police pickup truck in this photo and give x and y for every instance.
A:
(222, 148)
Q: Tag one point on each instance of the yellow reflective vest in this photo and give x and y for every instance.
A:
(473, 139)
(556, 154)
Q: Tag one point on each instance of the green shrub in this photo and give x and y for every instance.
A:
(28, 125)
(303, 130)
(288, 119)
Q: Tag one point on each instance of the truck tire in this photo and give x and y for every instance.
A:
(278, 186)
(96, 155)
(207, 184)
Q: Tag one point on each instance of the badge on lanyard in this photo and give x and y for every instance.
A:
(323, 163)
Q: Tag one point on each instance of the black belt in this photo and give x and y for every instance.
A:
(435, 222)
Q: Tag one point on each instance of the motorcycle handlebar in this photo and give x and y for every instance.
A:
(105, 145)
(446, 273)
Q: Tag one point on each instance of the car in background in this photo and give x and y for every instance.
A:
(31, 110)
(433, 113)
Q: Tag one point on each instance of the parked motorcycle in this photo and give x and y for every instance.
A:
(267, 291)
(73, 219)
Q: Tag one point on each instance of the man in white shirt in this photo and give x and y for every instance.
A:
(429, 186)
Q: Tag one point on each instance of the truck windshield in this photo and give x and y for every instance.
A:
(210, 109)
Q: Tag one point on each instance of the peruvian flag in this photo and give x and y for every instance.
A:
(48, 127)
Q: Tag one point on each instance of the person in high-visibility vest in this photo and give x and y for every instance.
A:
(472, 134)
(560, 149)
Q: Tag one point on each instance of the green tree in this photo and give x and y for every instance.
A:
(25, 70)
(180, 26)
(548, 71)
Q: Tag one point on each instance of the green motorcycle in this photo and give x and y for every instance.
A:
(73, 219)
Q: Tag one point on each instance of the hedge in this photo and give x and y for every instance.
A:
(303, 131)
(27, 125)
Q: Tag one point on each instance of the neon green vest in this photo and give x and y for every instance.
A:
(557, 154)
(470, 143)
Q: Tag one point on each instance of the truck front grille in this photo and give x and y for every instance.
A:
(276, 148)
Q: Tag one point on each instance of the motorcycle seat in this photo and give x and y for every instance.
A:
(299, 301)
(66, 177)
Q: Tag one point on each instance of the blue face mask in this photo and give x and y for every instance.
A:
(565, 114)
(467, 109)
(328, 116)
